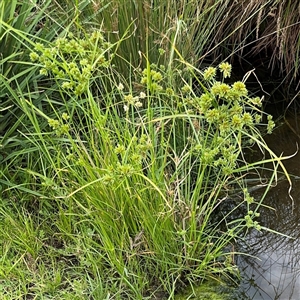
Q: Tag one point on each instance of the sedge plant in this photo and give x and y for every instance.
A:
(123, 181)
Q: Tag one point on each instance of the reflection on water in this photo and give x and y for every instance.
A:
(275, 273)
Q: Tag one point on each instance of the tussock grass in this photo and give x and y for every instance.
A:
(145, 26)
(262, 27)
(205, 29)
(117, 177)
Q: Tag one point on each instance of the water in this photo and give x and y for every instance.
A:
(275, 272)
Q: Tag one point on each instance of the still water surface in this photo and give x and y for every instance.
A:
(275, 273)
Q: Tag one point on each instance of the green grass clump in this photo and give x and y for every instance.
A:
(117, 171)
(116, 188)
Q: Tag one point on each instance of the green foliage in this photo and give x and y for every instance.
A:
(208, 290)
(21, 26)
(184, 27)
(11, 49)
(117, 173)
(17, 16)
(73, 60)
(136, 178)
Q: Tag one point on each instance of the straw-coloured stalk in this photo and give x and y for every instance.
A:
(271, 27)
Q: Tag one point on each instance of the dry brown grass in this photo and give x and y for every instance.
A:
(270, 27)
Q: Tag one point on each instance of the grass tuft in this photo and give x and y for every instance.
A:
(125, 177)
